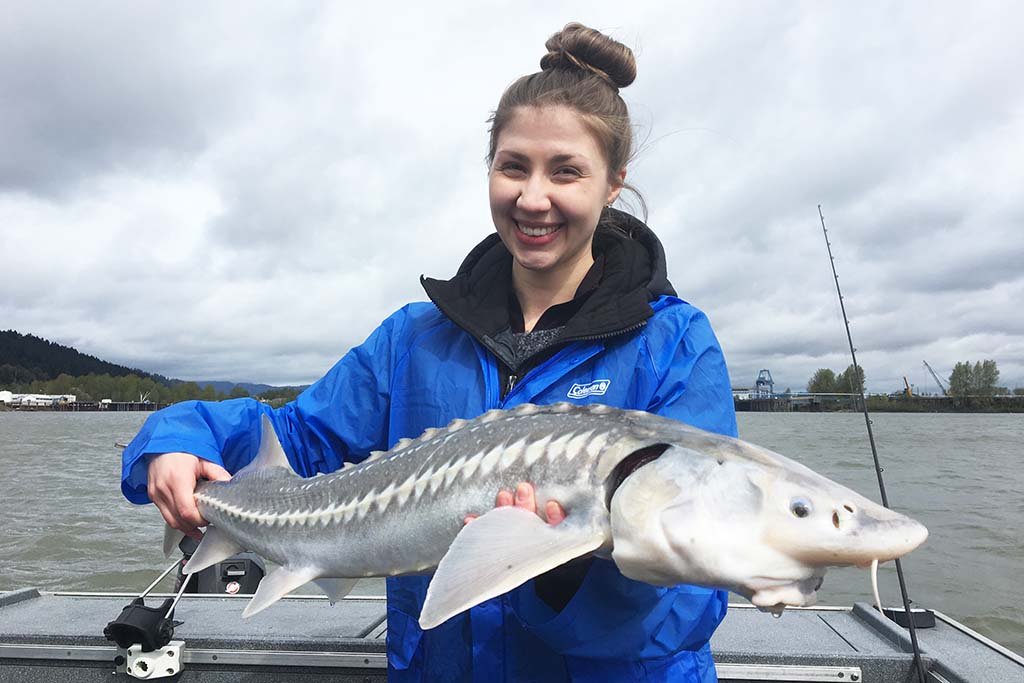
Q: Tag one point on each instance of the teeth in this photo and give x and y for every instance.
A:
(536, 232)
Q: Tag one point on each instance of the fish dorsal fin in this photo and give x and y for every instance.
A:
(497, 552)
(270, 453)
(276, 585)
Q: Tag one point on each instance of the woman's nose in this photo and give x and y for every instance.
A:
(533, 196)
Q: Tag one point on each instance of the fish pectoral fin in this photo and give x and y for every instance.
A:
(172, 537)
(276, 585)
(215, 547)
(497, 552)
(335, 589)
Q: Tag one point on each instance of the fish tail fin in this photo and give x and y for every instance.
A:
(172, 537)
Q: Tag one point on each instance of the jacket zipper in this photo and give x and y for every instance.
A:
(512, 379)
(606, 335)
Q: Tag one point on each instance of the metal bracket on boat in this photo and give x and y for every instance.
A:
(923, 618)
(160, 663)
(143, 636)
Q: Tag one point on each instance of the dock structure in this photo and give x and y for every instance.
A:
(762, 398)
(70, 403)
(58, 637)
(34, 401)
(86, 406)
(110, 406)
(747, 400)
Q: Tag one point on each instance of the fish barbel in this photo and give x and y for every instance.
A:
(667, 502)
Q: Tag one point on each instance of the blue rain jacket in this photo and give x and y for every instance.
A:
(420, 370)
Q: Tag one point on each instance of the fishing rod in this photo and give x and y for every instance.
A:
(874, 453)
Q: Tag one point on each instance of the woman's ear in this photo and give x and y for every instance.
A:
(616, 188)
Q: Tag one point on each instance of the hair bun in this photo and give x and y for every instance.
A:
(579, 47)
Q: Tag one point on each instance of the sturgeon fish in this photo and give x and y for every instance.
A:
(667, 502)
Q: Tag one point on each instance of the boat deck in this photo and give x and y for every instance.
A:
(58, 637)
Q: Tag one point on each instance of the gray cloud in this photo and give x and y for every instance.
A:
(245, 191)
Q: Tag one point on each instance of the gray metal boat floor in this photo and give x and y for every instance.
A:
(46, 636)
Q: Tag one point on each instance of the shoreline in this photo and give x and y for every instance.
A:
(845, 403)
(86, 407)
(778, 404)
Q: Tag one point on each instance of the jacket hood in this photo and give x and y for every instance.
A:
(634, 274)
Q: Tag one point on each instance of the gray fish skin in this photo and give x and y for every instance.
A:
(710, 510)
(398, 512)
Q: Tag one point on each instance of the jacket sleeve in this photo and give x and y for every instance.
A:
(343, 416)
(611, 616)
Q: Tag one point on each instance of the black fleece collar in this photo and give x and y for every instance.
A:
(476, 299)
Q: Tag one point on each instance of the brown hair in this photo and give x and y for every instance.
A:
(583, 70)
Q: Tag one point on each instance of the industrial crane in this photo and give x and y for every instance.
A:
(937, 380)
(765, 384)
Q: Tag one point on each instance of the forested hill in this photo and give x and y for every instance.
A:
(26, 358)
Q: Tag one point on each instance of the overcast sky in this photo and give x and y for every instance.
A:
(242, 191)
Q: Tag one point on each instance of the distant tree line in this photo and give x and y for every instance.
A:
(136, 388)
(25, 358)
(124, 388)
(32, 365)
(979, 379)
(826, 381)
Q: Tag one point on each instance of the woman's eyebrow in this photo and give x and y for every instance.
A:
(509, 153)
(557, 159)
(563, 158)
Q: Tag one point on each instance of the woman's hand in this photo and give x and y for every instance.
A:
(526, 498)
(558, 586)
(172, 485)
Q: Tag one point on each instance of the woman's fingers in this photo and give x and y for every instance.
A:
(172, 485)
(525, 497)
(212, 471)
(554, 512)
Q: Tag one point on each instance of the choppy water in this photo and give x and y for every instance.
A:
(64, 524)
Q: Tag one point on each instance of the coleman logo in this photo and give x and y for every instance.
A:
(596, 388)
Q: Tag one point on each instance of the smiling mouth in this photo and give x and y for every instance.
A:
(537, 231)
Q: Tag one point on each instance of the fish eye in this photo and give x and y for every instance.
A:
(800, 507)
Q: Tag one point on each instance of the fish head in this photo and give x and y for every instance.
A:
(763, 528)
(822, 523)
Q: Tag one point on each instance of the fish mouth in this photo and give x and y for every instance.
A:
(773, 594)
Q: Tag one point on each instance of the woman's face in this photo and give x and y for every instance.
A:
(548, 185)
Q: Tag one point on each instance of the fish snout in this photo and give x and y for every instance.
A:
(905, 535)
(877, 533)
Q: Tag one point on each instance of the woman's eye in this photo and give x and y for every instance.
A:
(568, 171)
(511, 169)
(800, 507)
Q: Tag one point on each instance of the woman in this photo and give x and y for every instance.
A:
(568, 300)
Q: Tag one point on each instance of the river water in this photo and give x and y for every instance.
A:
(64, 524)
